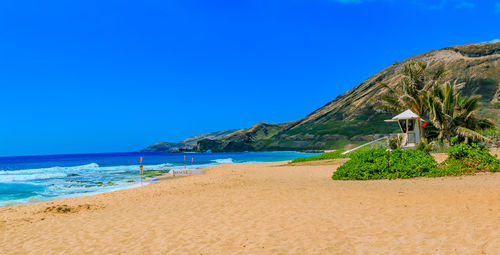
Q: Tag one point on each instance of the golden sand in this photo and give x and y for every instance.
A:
(269, 208)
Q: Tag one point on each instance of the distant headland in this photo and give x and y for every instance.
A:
(351, 119)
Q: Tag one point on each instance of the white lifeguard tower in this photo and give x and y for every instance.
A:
(411, 126)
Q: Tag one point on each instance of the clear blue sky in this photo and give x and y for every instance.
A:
(104, 76)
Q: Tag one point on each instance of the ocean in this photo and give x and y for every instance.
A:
(31, 179)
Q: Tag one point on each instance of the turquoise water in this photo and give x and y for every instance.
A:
(30, 179)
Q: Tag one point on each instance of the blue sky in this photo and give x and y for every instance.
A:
(104, 76)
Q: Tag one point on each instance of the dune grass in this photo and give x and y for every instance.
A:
(327, 155)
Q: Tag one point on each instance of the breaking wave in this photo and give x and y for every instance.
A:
(223, 161)
(44, 173)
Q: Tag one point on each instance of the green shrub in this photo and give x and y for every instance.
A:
(452, 167)
(486, 113)
(381, 164)
(490, 132)
(496, 105)
(396, 142)
(424, 145)
(326, 155)
(471, 158)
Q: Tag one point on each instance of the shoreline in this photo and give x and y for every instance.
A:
(46, 178)
(439, 157)
(266, 208)
(146, 182)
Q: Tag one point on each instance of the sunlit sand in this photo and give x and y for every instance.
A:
(268, 208)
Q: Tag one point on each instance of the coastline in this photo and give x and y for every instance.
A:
(44, 178)
(266, 208)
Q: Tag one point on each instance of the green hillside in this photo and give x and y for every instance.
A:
(351, 118)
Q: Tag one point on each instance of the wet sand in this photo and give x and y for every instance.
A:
(269, 208)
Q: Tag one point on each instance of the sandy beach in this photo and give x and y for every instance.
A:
(266, 208)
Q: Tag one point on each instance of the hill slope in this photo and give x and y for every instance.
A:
(351, 119)
(189, 143)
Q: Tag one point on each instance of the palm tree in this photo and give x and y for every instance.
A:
(453, 114)
(411, 90)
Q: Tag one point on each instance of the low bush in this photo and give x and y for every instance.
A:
(326, 155)
(382, 164)
(496, 105)
(469, 158)
(425, 145)
(395, 142)
(379, 163)
(447, 169)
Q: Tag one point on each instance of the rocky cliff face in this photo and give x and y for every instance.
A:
(351, 119)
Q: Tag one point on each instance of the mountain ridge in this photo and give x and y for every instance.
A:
(350, 118)
(187, 144)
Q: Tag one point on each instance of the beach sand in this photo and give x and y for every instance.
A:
(269, 208)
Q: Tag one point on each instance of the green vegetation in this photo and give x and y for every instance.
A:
(395, 142)
(424, 145)
(411, 91)
(342, 143)
(486, 113)
(470, 158)
(364, 124)
(494, 132)
(327, 155)
(379, 163)
(351, 116)
(425, 93)
(454, 118)
(486, 87)
(455, 115)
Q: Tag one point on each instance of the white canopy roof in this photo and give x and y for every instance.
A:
(408, 114)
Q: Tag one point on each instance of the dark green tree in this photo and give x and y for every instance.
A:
(410, 92)
(455, 115)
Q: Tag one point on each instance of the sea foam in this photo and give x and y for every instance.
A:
(224, 161)
(43, 173)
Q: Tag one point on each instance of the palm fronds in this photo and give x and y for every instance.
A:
(454, 114)
(425, 93)
(410, 92)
